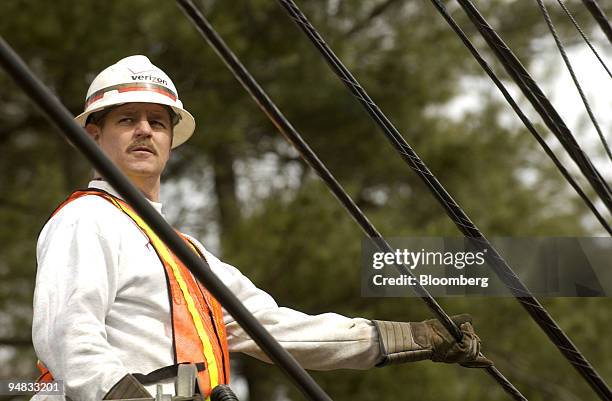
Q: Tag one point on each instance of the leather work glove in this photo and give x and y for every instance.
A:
(127, 388)
(402, 342)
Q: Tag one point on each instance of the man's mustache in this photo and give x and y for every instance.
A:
(142, 145)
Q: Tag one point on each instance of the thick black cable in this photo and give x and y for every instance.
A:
(540, 102)
(528, 124)
(551, 117)
(600, 17)
(568, 64)
(62, 118)
(293, 137)
(584, 36)
(462, 221)
(223, 392)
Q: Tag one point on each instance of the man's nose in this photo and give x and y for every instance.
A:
(143, 128)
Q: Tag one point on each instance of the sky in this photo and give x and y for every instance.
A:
(597, 85)
(553, 77)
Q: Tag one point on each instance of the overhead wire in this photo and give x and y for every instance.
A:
(63, 119)
(440, 7)
(540, 102)
(600, 17)
(307, 154)
(554, 121)
(584, 36)
(570, 69)
(535, 309)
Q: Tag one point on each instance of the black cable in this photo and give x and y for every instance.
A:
(600, 17)
(291, 134)
(556, 124)
(62, 118)
(586, 39)
(223, 392)
(568, 64)
(539, 101)
(461, 220)
(528, 124)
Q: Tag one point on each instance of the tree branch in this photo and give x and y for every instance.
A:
(16, 342)
(375, 12)
(15, 206)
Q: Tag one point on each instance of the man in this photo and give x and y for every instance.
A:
(114, 309)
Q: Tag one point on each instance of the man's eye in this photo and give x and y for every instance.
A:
(126, 120)
(158, 123)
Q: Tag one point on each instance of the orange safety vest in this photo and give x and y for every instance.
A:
(197, 318)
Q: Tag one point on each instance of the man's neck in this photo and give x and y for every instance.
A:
(99, 183)
(148, 186)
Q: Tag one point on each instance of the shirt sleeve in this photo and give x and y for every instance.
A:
(76, 283)
(318, 342)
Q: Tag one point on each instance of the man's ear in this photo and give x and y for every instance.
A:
(94, 131)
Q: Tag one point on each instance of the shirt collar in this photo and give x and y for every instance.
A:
(105, 186)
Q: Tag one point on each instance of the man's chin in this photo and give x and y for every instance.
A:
(142, 170)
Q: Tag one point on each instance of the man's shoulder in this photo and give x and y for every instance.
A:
(222, 269)
(197, 244)
(86, 210)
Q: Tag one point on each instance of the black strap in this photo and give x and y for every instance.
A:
(167, 372)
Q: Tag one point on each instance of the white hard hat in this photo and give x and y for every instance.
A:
(135, 79)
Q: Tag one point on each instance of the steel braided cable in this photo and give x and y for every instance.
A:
(600, 17)
(540, 102)
(528, 124)
(568, 64)
(501, 268)
(531, 90)
(293, 137)
(584, 36)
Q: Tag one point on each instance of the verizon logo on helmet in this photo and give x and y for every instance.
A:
(151, 78)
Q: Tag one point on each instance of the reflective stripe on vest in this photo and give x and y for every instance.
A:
(197, 317)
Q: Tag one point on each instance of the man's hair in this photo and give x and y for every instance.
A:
(99, 117)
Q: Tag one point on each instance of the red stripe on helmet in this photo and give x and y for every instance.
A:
(131, 87)
(164, 91)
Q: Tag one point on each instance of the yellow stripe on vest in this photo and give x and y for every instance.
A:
(166, 255)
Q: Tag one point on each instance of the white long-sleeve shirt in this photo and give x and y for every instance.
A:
(101, 307)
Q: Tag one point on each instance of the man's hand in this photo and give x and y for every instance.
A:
(409, 342)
